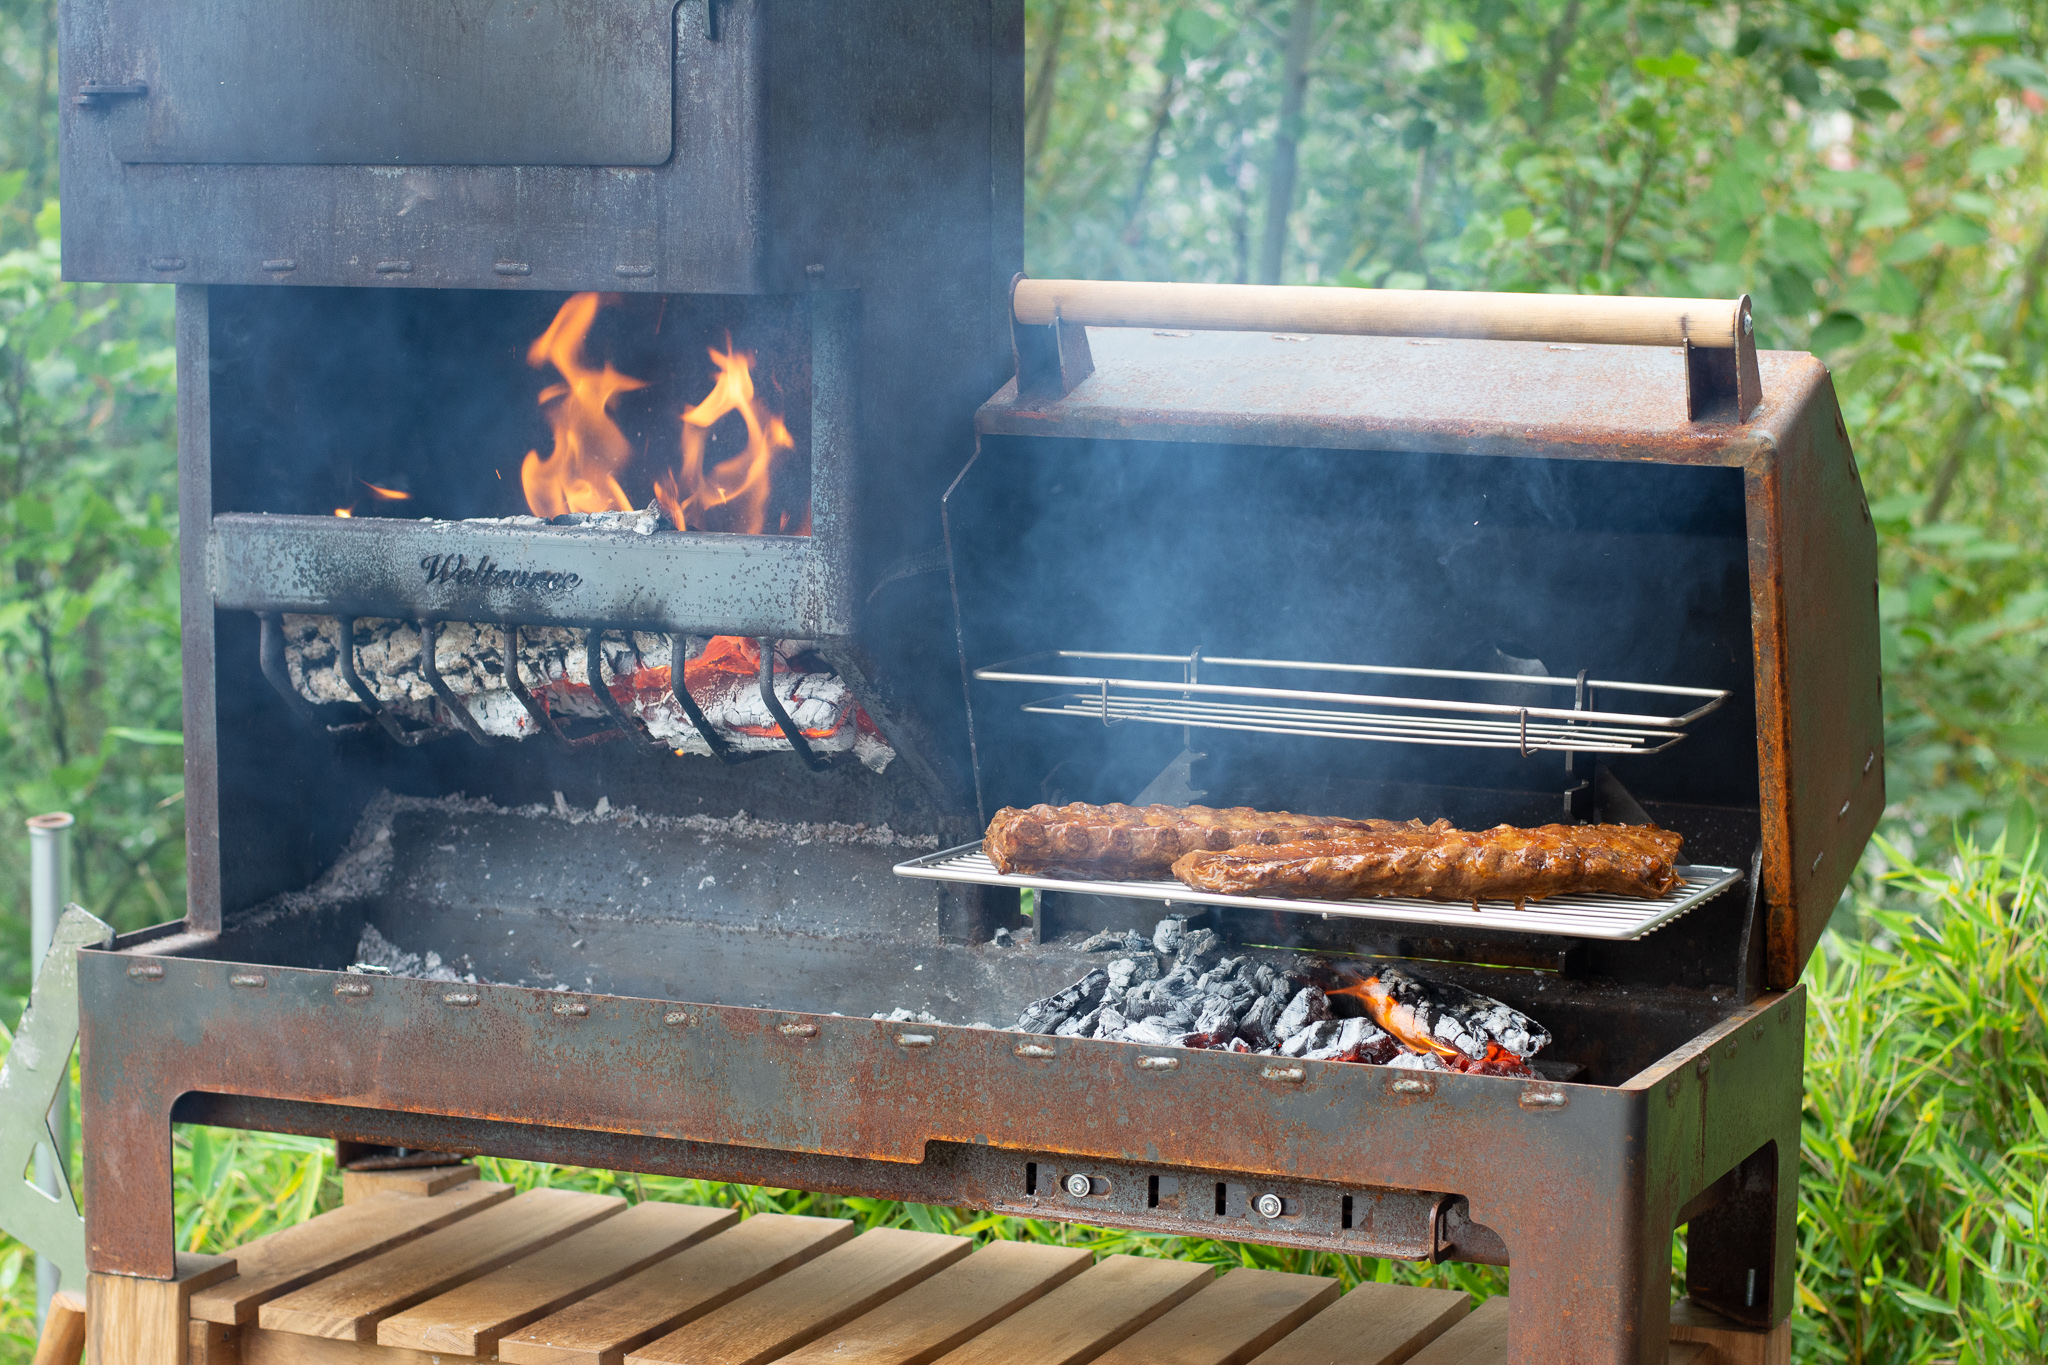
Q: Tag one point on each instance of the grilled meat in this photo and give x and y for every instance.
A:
(1439, 863)
(1133, 843)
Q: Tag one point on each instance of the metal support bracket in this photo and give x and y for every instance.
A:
(38, 1067)
(1723, 385)
(1050, 360)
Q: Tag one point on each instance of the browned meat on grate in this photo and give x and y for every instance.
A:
(1502, 863)
(1132, 843)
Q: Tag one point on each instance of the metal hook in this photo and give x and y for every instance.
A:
(802, 746)
(430, 637)
(345, 660)
(593, 663)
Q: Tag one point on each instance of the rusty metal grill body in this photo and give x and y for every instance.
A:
(675, 958)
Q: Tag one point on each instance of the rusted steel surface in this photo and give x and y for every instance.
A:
(1580, 1182)
(1383, 393)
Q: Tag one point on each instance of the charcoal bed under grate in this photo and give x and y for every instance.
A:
(1594, 915)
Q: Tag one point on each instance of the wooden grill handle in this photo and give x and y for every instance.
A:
(1049, 322)
(1583, 319)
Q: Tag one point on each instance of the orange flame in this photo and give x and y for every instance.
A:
(385, 494)
(740, 485)
(1402, 1024)
(344, 511)
(1397, 1021)
(581, 473)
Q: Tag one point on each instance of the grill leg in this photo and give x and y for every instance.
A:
(1738, 1252)
(1587, 1286)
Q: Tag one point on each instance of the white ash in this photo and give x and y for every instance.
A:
(1109, 940)
(1240, 1005)
(643, 521)
(375, 950)
(554, 666)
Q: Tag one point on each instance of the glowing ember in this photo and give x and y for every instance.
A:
(385, 494)
(733, 495)
(581, 473)
(344, 511)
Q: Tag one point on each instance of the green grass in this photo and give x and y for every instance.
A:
(1923, 1215)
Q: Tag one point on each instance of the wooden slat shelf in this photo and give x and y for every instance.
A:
(472, 1272)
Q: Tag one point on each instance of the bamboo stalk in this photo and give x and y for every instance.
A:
(1571, 318)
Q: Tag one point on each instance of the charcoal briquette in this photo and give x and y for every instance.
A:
(1309, 1006)
(1167, 935)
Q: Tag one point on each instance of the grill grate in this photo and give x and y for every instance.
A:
(1595, 915)
(1194, 704)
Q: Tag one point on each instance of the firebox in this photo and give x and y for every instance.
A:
(614, 607)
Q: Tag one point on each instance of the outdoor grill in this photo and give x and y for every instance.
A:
(652, 817)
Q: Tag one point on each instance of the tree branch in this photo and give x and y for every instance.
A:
(1038, 99)
(1301, 32)
(1958, 449)
(1560, 45)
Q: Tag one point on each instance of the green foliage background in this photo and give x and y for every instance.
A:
(1874, 172)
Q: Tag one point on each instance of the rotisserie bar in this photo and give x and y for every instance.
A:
(1346, 769)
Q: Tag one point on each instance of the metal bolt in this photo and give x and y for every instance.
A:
(1158, 1063)
(799, 1030)
(677, 1018)
(461, 999)
(1079, 1186)
(254, 981)
(572, 1008)
(1411, 1085)
(352, 990)
(146, 971)
(1284, 1073)
(1270, 1205)
(913, 1040)
(1033, 1050)
(1748, 324)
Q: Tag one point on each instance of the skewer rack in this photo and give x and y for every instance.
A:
(1190, 701)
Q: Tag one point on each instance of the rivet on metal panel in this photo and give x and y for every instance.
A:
(1412, 1085)
(575, 1009)
(352, 990)
(1079, 1186)
(1543, 1099)
(678, 1018)
(1703, 1064)
(280, 265)
(1816, 860)
(511, 268)
(1270, 1205)
(1868, 760)
(167, 263)
(255, 981)
(799, 1030)
(1671, 1088)
(461, 998)
(146, 971)
(394, 267)
(633, 272)
(1284, 1073)
(1033, 1050)
(1843, 811)
(1158, 1063)
(914, 1040)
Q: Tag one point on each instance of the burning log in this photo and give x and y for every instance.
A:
(720, 673)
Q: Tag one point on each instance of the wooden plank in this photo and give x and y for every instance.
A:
(1229, 1322)
(259, 1347)
(348, 1306)
(274, 1266)
(1088, 1314)
(1478, 1338)
(602, 1328)
(1691, 1353)
(357, 1186)
(130, 1321)
(470, 1320)
(810, 1300)
(949, 1309)
(1730, 1341)
(1375, 1324)
(63, 1338)
(212, 1343)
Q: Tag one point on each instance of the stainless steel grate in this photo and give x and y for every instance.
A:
(1193, 703)
(1587, 916)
